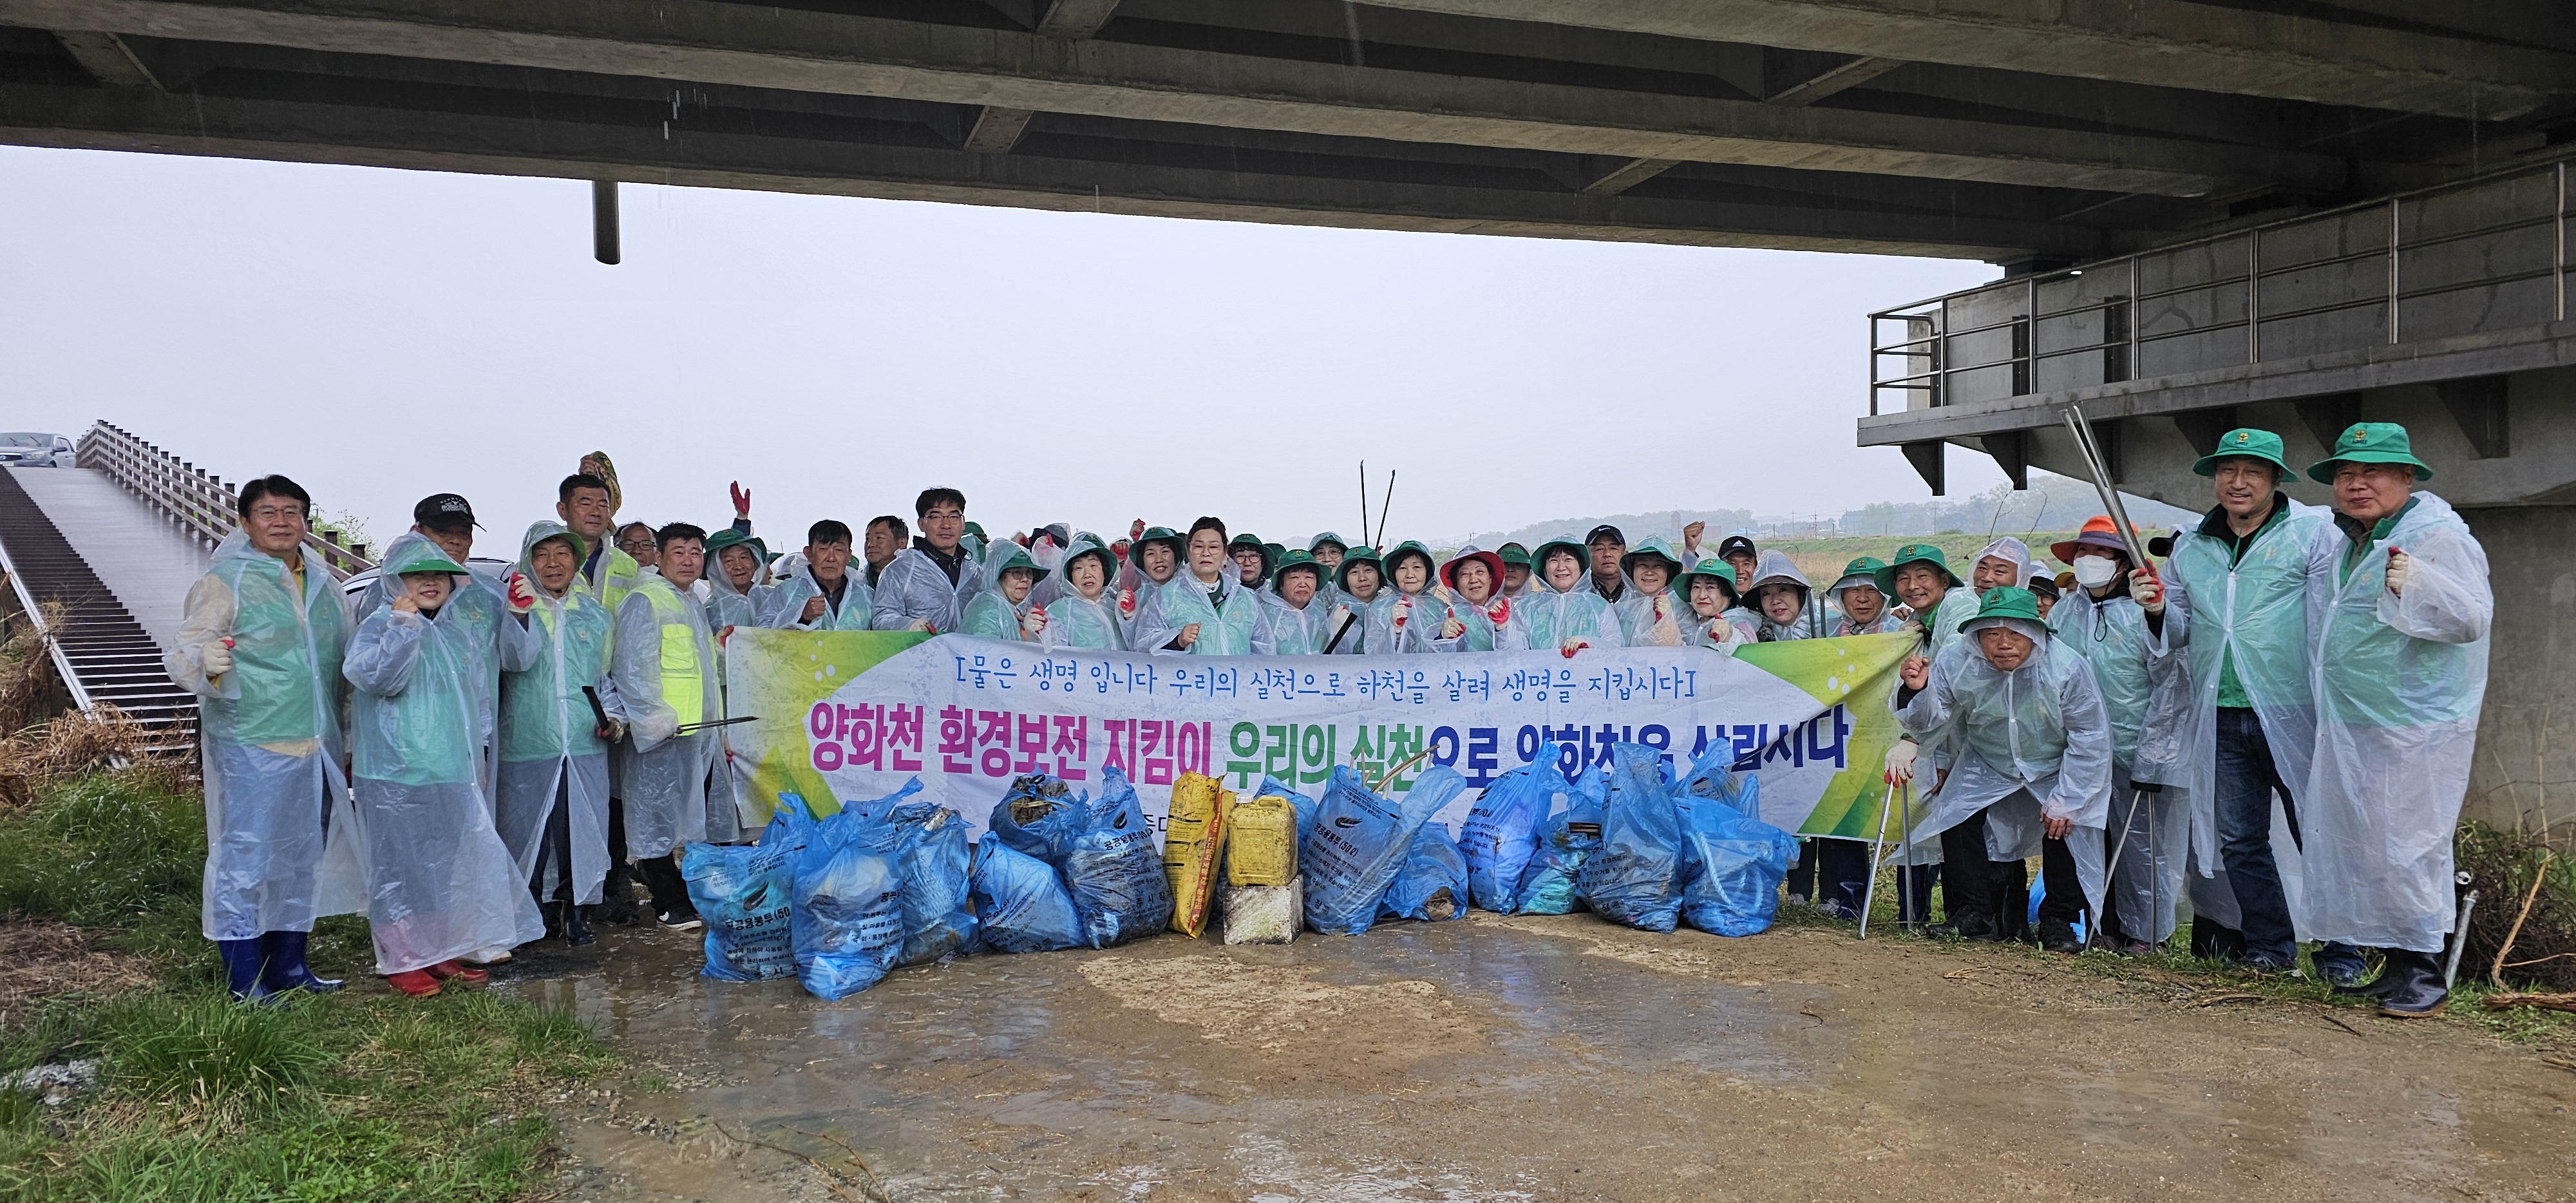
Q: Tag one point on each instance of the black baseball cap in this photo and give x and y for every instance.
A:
(444, 511)
(1605, 529)
(1733, 544)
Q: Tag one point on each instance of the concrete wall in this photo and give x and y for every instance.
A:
(2526, 768)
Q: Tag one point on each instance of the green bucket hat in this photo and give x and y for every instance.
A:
(2248, 442)
(418, 556)
(2370, 443)
(1295, 559)
(1411, 547)
(1538, 559)
(730, 537)
(1915, 553)
(1865, 566)
(976, 529)
(1155, 534)
(2005, 601)
(1018, 558)
(1269, 558)
(1514, 555)
(1354, 556)
(1317, 543)
(1652, 545)
(546, 528)
(1716, 570)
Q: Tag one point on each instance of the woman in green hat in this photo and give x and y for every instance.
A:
(1294, 616)
(1204, 610)
(1327, 549)
(1417, 618)
(2032, 775)
(1084, 613)
(742, 594)
(1650, 612)
(1252, 558)
(1718, 620)
(1364, 599)
(440, 883)
(1520, 573)
(1003, 609)
(1863, 604)
(1562, 610)
(1153, 558)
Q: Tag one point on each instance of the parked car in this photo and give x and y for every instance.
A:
(28, 449)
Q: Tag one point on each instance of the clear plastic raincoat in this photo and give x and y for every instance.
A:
(551, 755)
(990, 615)
(2251, 615)
(663, 658)
(2400, 678)
(1814, 618)
(1076, 621)
(757, 606)
(1364, 616)
(785, 607)
(1229, 627)
(280, 847)
(1293, 630)
(1548, 618)
(2130, 663)
(440, 883)
(915, 588)
(2031, 743)
(473, 613)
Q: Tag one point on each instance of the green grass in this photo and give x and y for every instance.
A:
(351, 1096)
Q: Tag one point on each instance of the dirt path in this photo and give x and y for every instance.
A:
(1522, 1058)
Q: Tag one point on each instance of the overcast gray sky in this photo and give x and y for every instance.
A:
(381, 335)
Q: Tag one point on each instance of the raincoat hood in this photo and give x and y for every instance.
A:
(1651, 545)
(1317, 543)
(1774, 568)
(1086, 543)
(542, 530)
(2005, 548)
(412, 552)
(1003, 561)
(1409, 547)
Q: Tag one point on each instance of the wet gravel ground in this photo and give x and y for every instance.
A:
(1528, 1058)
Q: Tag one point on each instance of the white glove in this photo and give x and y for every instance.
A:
(1127, 603)
(1720, 630)
(217, 657)
(1402, 610)
(2147, 591)
(918, 624)
(1452, 628)
(616, 729)
(1334, 618)
(1900, 762)
(1034, 625)
(2400, 567)
(1573, 644)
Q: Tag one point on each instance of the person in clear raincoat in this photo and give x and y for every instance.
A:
(2117, 619)
(1204, 609)
(1862, 602)
(1005, 608)
(1562, 610)
(1784, 605)
(552, 804)
(1474, 580)
(741, 593)
(2400, 608)
(1416, 619)
(440, 883)
(1327, 550)
(2246, 730)
(1294, 613)
(816, 591)
(928, 584)
(1252, 559)
(663, 659)
(1363, 599)
(1153, 558)
(1650, 612)
(1520, 573)
(2032, 774)
(1717, 621)
(1084, 613)
(261, 643)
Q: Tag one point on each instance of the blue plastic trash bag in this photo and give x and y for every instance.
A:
(1432, 883)
(928, 844)
(849, 910)
(744, 894)
(1020, 903)
(1502, 833)
(1115, 871)
(1738, 860)
(1635, 878)
(1357, 844)
(1549, 885)
(1041, 816)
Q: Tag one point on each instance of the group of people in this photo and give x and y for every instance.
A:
(522, 744)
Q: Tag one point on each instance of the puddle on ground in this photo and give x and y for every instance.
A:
(1525, 1058)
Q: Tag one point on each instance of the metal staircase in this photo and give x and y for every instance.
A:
(101, 652)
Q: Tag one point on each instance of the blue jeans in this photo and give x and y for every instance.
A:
(2246, 782)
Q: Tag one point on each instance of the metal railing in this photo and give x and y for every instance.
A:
(2371, 273)
(201, 505)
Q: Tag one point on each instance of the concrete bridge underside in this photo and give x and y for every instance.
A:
(2186, 196)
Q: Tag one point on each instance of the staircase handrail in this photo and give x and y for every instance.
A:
(200, 504)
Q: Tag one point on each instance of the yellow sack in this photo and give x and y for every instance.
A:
(1192, 843)
(1261, 842)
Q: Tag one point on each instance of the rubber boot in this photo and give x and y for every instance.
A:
(2419, 991)
(242, 962)
(577, 926)
(286, 969)
(453, 971)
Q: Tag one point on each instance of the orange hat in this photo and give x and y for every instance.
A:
(2098, 532)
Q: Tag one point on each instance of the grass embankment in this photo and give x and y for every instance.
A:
(356, 1095)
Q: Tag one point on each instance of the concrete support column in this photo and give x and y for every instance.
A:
(2525, 773)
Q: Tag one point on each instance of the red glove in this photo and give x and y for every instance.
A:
(521, 594)
(741, 499)
(1499, 611)
(1127, 602)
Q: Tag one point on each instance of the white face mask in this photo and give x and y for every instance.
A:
(2093, 572)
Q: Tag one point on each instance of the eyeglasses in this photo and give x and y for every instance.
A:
(271, 513)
